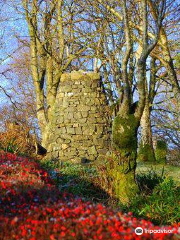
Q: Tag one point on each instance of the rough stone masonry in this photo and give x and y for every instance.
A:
(81, 124)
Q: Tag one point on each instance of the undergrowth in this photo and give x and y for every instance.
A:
(79, 179)
(158, 199)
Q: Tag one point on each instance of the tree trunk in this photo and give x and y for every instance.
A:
(146, 150)
(45, 135)
(124, 144)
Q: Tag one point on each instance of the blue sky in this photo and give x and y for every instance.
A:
(12, 27)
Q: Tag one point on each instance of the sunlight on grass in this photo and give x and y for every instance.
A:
(166, 170)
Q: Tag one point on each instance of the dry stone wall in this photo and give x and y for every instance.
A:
(81, 124)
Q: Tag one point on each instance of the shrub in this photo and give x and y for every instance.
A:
(16, 139)
(162, 205)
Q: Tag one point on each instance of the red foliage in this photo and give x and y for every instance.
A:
(32, 207)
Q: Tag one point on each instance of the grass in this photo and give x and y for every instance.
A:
(158, 200)
(78, 179)
(168, 170)
(160, 205)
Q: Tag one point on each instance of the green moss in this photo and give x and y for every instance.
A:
(124, 136)
(125, 187)
(123, 163)
(146, 153)
(124, 133)
(121, 179)
(161, 151)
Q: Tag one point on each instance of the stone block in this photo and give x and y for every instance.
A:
(92, 157)
(78, 130)
(76, 92)
(60, 125)
(63, 130)
(76, 76)
(56, 148)
(65, 103)
(64, 146)
(70, 130)
(59, 141)
(77, 115)
(54, 155)
(72, 109)
(88, 84)
(82, 152)
(82, 120)
(83, 108)
(98, 141)
(71, 153)
(78, 137)
(99, 129)
(92, 150)
(67, 89)
(61, 154)
(84, 114)
(77, 82)
(87, 143)
(89, 129)
(70, 115)
(59, 119)
(87, 90)
(66, 136)
(75, 160)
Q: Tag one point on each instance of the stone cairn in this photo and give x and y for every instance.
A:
(81, 125)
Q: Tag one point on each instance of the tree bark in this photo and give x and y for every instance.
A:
(126, 123)
(37, 74)
(146, 150)
(124, 138)
(124, 132)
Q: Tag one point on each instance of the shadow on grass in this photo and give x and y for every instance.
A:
(78, 179)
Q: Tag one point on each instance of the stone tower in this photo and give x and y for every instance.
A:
(81, 124)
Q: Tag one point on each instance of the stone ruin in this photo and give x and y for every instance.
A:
(80, 129)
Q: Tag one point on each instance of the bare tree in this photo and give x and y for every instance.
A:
(54, 45)
(127, 121)
(163, 72)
